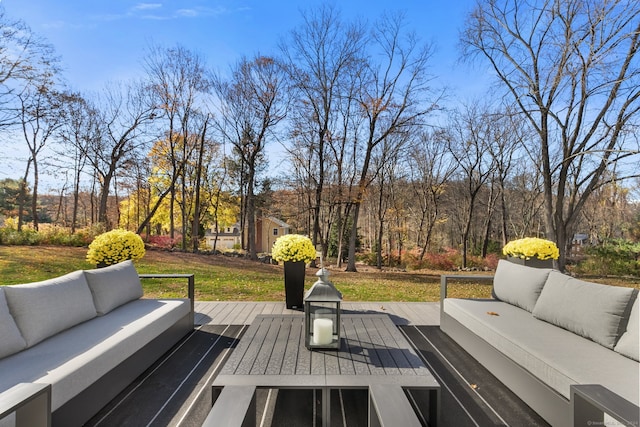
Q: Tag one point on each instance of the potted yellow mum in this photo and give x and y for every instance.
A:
(532, 251)
(115, 246)
(295, 251)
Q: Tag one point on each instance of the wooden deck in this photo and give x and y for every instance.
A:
(177, 391)
(243, 313)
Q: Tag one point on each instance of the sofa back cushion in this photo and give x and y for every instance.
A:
(629, 343)
(519, 285)
(590, 310)
(43, 309)
(11, 341)
(114, 285)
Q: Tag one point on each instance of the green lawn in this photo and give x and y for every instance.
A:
(223, 278)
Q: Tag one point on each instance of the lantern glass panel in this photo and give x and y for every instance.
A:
(323, 324)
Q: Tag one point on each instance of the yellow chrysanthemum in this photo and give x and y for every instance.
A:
(293, 247)
(115, 246)
(531, 247)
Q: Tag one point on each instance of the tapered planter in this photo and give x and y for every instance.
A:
(294, 283)
(532, 262)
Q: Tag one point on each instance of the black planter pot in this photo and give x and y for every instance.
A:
(294, 284)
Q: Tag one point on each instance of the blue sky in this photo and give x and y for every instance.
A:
(105, 40)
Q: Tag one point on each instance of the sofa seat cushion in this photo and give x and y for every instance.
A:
(114, 285)
(594, 311)
(557, 357)
(74, 359)
(42, 309)
(519, 285)
(11, 340)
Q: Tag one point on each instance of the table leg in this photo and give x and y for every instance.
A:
(326, 407)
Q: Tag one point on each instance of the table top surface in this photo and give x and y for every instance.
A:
(272, 353)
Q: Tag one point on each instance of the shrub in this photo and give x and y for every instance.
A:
(26, 237)
(439, 261)
(61, 236)
(163, 242)
(612, 257)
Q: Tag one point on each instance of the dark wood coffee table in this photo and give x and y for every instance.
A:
(373, 352)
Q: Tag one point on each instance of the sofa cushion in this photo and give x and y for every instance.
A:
(519, 285)
(11, 340)
(629, 343)
(76, 358)
(42, 309)
(114, 285)
(557, 357)
(590, 310)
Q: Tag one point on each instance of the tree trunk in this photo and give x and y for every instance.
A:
(34, 196)
(23, 196)
(251, 216)
(196, 214)
(76, 201)
(465, 234)
(351, 260)
(104, 200)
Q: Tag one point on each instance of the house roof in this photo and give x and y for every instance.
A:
(280, 223)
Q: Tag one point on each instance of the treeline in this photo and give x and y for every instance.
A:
(402, 214)
(373, 158)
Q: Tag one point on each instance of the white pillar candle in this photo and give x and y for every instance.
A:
(322, 331)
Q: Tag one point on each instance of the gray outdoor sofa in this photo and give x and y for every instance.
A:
(70, 344)
(568, 348)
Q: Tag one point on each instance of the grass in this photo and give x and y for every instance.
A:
(223, 278)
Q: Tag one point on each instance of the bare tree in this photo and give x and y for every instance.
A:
(386, 161)
(393, 99)
(28, 70)
(509, 135)
(79, 131)
(126, 113)
(39, 116)
(571, 67)
(469, 139)
(323, 59)
(252, 104)
(431, 169)
(178, 81)
(24, 59)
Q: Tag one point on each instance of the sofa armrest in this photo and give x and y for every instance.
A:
(29, 403)
(444, 280)
(190, 283)
(589, 403)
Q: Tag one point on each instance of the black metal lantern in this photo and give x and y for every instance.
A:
(322, 314)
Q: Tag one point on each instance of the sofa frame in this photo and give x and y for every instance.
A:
(588, 405)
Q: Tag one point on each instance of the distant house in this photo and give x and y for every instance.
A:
(268, 229)
(227, 238)
(578, 243)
